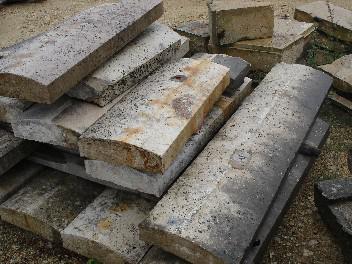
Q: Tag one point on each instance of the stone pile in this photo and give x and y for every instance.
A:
(103, 116)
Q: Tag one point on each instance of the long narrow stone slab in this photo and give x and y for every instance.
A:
(155, 46)
(43, 68)
(147, 129)
(341, 71)
(107, 229)
(156, 184)
(239, 172)
(16, 177)
(49, 202)
(232, 21)
(331, 19)
(12, 108)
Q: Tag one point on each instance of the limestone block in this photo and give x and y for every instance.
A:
(231, 21)
(43, 68)
(148, 128)
(239, 171)
(155, 46)
(341, 71)
(124, 177)
(331, 19)
(107, 229)
(11, 108)
(49, 202)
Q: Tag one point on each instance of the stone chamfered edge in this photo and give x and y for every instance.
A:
(231, 206)
(180, 93)
(44, 67)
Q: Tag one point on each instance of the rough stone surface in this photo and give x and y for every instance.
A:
(147, 129)
(13, 150)
(49, 202)
(198, 34)
(231, 21)
(341, 71)
(14, 179)
(239, 172)
(331, 19)
(332, 191)
(11, 108)
(107, 229)
(155, 46)
(44, 67)
(156, 184)
(287, 45)
(158, 256)
(184, 48)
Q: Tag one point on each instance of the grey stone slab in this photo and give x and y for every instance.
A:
(331, 19)
(332, 191)
(184, 48)
(107, 229)
(147, 129)
(239, 172)
(13, 150)
(158, 256)
(12, 108)
(43, 68)
(155, 46)
(252, 21)
(49, 202)
(341, 70)
(124, 177)
(16, 177)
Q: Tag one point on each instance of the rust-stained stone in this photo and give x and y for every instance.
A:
(49, 202)
(212, 212)
(148, 128)
(43, 68)
(331, 19)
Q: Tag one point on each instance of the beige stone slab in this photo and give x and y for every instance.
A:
(147, 129)
(341, 71)
(231, 21)
(331, 19)
(44, 67)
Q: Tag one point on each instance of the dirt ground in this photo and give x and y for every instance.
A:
(301, 238)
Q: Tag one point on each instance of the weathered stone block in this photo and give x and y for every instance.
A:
(49, 202)
(332, 191)
(184, 48)
(239, 171)
(341, 71)
(16, 177)
(155, 46)
(231, 21)
(107, 229)
(287, 45)
(11, 108)
(43, 68)
(124, 177)
(331, 19)
(148, 128)
(198, 34)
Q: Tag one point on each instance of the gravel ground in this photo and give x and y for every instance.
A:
(301, 238)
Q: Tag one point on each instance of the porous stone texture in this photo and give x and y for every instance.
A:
(11, 108)
(341, 71)
(16, 177)
(49, 202)
(158, 256)
(239, 172)
(331, 19)
(124, 177)
(44, 67)
(289, 187)
(13, 150)
(155, 46)
(231, 21)
(148, 128)
(198, 34)
(107, 230)
(287, 45)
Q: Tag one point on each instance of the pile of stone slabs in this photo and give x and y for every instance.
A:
(333, 20)
(287, 45)
(239, 172)
(43, 68)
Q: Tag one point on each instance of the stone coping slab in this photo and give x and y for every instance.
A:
(147, 129)
(239, 171)
(44, 67)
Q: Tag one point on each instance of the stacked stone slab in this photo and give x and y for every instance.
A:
(44, 67)
(239, 172)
